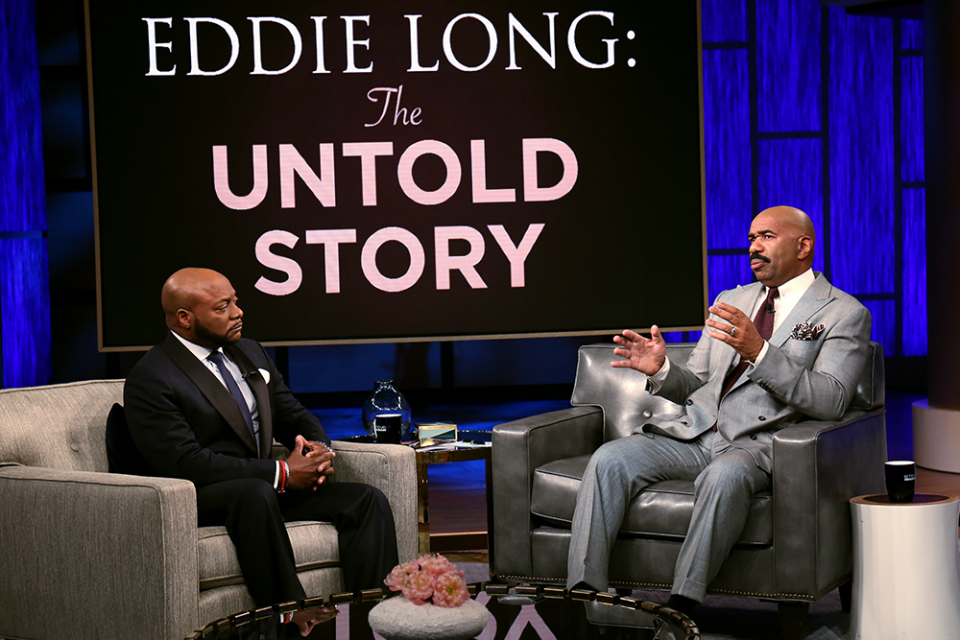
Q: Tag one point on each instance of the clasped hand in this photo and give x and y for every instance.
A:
(310, 464)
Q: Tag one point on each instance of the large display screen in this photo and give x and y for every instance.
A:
(403, 170)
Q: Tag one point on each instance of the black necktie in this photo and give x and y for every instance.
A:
(217, 358)
(763, 321)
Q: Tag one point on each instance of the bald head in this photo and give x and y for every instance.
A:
(794, 219)
(201, 306)
(781, 244)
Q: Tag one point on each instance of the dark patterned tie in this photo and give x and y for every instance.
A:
(217, 358)
(763, 321)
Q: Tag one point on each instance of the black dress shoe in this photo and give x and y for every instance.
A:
(682, 604)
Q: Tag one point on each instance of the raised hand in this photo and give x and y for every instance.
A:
(646, 355)
(739, 331)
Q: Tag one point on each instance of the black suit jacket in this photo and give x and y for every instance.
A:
(187, 425)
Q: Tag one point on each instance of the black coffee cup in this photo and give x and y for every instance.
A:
(387, 428)
(901, 477)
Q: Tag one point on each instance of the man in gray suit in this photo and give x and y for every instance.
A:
(800, 357)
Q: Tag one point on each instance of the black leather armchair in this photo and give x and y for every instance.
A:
(796, 546)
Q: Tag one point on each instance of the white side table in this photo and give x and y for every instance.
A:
(905, 579)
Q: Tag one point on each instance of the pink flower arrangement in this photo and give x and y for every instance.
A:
(429, 577)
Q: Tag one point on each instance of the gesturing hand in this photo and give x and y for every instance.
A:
(646, 355)
(310, 464)
(739, 331)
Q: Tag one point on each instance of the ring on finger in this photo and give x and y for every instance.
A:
(733, 331)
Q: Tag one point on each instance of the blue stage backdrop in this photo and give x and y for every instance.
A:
(803, 105)
(24, 292)
(812, 107)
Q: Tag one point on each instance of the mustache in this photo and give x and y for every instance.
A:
(758, 256)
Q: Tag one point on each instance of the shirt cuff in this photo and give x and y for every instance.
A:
(763, 352)
(276, 476)
(656, 380)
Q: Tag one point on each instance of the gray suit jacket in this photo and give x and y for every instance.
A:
(797, 379)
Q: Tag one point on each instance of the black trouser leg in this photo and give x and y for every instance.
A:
(364, 522)
(250, 511)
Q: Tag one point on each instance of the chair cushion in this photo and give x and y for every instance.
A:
(314, 546)
(663, 509)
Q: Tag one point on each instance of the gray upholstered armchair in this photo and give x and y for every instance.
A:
(90, 554)
(796, 546)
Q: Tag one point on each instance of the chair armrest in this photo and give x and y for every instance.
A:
(519, 447)
(111, 553)
(392, 468)
(818, 467)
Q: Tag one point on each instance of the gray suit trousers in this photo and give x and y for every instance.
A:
(726, 479)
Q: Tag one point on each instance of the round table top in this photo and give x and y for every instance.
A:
(565, 613)
(470, 445)
(918, 499)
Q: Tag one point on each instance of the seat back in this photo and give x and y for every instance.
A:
(621, 393)
(61, 426)
(623, 396)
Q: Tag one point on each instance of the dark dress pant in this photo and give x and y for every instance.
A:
(254, 515)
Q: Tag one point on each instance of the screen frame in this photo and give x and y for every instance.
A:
(603, 331)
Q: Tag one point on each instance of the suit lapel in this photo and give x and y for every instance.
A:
(813, 299)
(259, 387)
(211, 388)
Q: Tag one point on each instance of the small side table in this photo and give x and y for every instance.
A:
(452, 545)
(468, 539)
(905, 579)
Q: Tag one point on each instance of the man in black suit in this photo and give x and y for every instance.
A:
(205, 405)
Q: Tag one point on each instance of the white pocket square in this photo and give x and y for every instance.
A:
(265, 375)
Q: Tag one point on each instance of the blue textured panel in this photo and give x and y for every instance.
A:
(21, 148)
(788, 66)
(726, 272)
(724, 20)
(911, 34)
(24, 280)
(726, 121)
(25, 302)
(911, 119)
(884, 331)
(914, 273)
(791, 173)
(861, 153)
